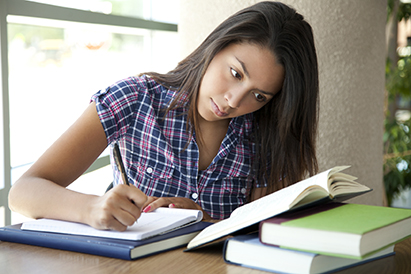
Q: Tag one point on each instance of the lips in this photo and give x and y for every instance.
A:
(217, 110)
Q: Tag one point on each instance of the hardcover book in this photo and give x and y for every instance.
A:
(338, 229)
(248, 251)
(102, 246)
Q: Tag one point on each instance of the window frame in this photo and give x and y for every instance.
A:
(46, 11)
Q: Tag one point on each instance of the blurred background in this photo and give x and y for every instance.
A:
(55, 66)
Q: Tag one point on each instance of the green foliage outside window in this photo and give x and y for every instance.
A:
(397, 137)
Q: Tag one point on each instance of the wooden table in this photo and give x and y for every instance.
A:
(25, 259)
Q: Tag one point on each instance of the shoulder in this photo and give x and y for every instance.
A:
(135, 85)
(134, 89)
(144, 86)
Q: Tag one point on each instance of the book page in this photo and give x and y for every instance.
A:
(261, 209)
(341, 183)
(286, 197)
(341, 187)
(149, 224)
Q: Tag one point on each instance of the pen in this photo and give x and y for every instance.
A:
(120, 166)
(119, 163)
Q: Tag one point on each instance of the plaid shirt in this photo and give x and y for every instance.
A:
(152, 147)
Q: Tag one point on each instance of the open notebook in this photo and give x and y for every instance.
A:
(149, 224)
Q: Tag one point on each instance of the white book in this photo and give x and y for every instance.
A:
(328, 185)
(248, 251)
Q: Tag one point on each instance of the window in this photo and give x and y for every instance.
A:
(156, 10)
(58, 56)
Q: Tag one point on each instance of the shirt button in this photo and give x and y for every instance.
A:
(149, 170)
(194, 196)
(243, 190)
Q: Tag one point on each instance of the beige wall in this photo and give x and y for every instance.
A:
(350, 40)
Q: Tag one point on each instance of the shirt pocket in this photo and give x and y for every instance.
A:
(237, 182)
(234, 194)
(236, 186)
(153, 177)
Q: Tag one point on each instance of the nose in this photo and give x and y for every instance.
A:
(234, 98)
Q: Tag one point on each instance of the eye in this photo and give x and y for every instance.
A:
(259, 97)
(235, 74)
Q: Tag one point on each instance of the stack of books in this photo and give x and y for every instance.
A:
(320, 239)
(305, 228)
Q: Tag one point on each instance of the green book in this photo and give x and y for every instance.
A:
(338, 229)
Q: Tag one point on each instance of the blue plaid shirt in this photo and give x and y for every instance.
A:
(152, 147)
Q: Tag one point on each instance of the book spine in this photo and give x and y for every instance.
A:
(64, 243)
(225, 251)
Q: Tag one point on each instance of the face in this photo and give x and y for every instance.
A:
(240, 79)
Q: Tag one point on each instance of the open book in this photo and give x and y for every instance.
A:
(328, 185)
(149, 224)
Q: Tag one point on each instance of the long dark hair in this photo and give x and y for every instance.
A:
(286, 127)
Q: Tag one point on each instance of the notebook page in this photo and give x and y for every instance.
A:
(149, 224)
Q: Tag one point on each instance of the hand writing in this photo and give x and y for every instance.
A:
(118, 208)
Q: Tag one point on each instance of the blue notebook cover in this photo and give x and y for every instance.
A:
(114, 248)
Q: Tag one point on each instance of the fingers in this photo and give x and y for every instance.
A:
(171, 202)
(119, 208)
(153, 203)
(132, 193)
(147, 207)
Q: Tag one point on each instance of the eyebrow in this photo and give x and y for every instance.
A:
(248, 75)
(243, 66)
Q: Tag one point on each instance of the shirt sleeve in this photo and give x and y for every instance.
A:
(117, 107)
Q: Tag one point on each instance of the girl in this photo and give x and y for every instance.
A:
(233, 121)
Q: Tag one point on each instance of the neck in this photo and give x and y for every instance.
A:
(209, 140)
(209, 126)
